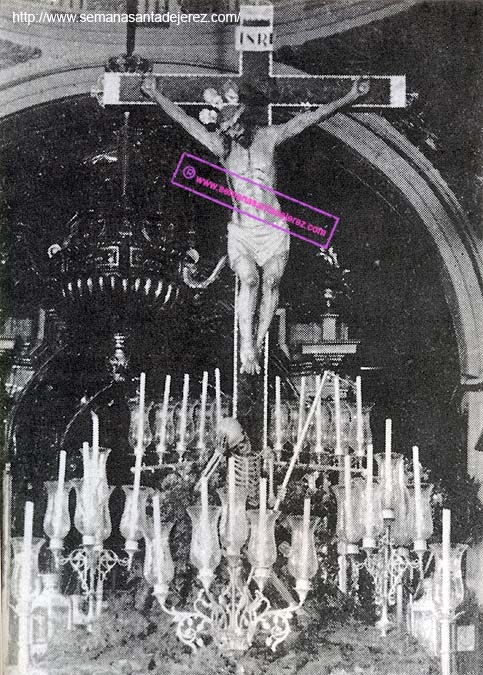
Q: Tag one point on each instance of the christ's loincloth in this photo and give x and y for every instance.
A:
(250, 238)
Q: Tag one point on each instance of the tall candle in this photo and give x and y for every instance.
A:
(301, 407)
(338, 424)
(183, 416)
(388, 466)
(278, 414)
(265, 394)
(59, 497)
(318, 419)
(164, 418)
(446, 594)
(305, 538)
(217, 398)
(139, 459)
(142, 403)
(417, 494)
(231, 505)
(370, 492)
(262, 520)
(157, 536)
(359, 431)
(271, 478)
(204, 394)
(25, 590)
(348, 498)
(95, 440)
(88, 494)
(235, 351)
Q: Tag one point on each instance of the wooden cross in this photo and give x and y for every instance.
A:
(254, 41)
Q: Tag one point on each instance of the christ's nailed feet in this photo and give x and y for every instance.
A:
(249, 361)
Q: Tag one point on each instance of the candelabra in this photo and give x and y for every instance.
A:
(388, 517)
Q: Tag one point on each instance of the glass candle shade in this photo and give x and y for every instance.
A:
(457, 587)
(350, 522)
(401, 526)
(205, 552)
(233, 542)
(371, 515)
(85, 516)
(389, 486)
(302, 558)
(158, 563)
(57, 518)
(103, 524)
(50, 613)
(422, 518)
(17, 550)
(133, 405)
(262, 549)
(132, 527)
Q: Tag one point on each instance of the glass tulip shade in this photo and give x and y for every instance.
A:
(133, 405)
(158, 563)
(17, 549)
(103, 525)
(233, 542)
(390, 490)
(457, 587)
(57, 518)
(371, 514)
(302, 559)
(350, 523)
(205, 546)
(421, 521)
(133, 525)
(262, 549)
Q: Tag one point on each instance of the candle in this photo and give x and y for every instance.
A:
(137, 466)
(59, 497)
(235, 351)
(318, 419)
(348, 498)
(183, 416)
(164, 418)
(142, 397)
(265, 395)
(87, 491)
(388, 466)
(370, 492)
(217, 398)
(271, 481)
(305, 538)
(231, 506)
(446, 594)
(278, 415)
(359, 431)
(338, 430)
(301, 407)
(417, 495)
(95, 440)
(204, 394)
(204, 499)
(262, 521)
(25, 590)
(157, 537)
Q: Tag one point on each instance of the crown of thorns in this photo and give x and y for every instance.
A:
(225, 105)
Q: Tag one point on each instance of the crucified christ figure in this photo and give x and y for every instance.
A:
(257, 252)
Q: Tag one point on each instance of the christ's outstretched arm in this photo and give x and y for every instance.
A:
(306, 119)
(209, 139)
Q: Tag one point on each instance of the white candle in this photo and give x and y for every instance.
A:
(183, 416)
(262, 520)
(157, 536)
(204, 395)
(417, 494)
(265, 395)
(348, 499)
(305, 538)
(318, 419)
(446, 594)
(231, 506)
(370, 491)
(217, 398)
(25, 590)
(338, 426)
(139, 459)
(271, 477)
(235, 351)
(388, 466)
(164, 417)
(142, 398)
(59, 497)
(87, 489)
(204, 499)
(278, 414)
(301, 407)
(95, 440)
(359, 429)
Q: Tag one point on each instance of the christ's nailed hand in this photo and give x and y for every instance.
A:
(148, 86)
(360, 87)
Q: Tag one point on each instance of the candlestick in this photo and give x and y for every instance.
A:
(59, 497)
(369, 540)
(204, 395)
(359, 420)
(161, 449)
(388, 512)
(418, 512)
(278, 415)
(338, 429)
(181, 447)
(25, 591)
(446, 594)
(231, 505)
(305, 538)
(301, 407)
(318, 420)
(217, 398)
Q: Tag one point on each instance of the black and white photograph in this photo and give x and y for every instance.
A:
(241, 337)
